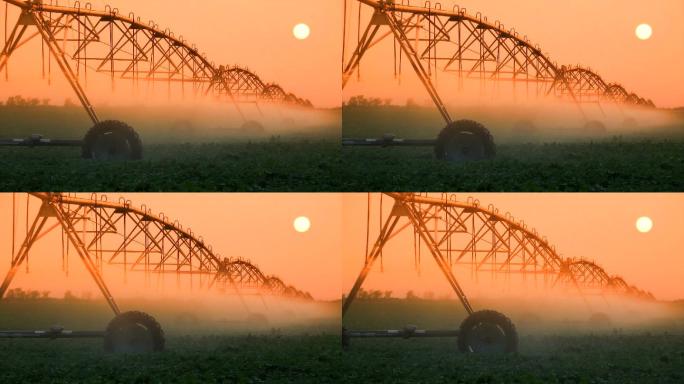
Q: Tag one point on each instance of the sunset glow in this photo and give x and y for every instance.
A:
(644, 224)
(302, 224)
(301, 31)
(644, 32)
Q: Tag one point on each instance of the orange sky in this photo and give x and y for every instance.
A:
(256, 34)
(598, 227)
(257, 227)
(597, 34)
(326, 260)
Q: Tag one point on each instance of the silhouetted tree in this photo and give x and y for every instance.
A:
(362, 101)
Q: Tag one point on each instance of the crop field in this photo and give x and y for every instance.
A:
(183, 151)
(311, 352)
(549, 155)
(180, 155)
(569, 352)
(197, 350)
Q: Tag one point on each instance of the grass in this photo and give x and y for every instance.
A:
(612, 165)
(313, 354)
(643, 358)
(188, 359)
(181, 156)
(244, 167)
(207, 350)
(553, 154)
(549, 352)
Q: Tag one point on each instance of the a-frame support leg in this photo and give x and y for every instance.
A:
(13, 40)
(61, 58)
(388, 18)
(81, 249)
(385, 234)
(442, 262)
(20, 257)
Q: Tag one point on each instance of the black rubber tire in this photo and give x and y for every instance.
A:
(465, 140)
(252, 127)
(134, 332)
(112, 140)
(595, 128)
(346, 340)
(502, 324)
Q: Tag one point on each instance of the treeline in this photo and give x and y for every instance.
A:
(362, 101)
(20, 294)
(21, 101)
(410, 295)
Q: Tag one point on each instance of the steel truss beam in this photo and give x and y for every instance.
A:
(136, 240)
(84, 41)
(435, 40)
(489, 244)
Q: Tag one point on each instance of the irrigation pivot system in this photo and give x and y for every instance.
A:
(455, 43)
(136, 241)
(463, 234)
(83, 41)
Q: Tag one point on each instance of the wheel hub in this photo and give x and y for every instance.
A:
(465, 146)
(487, 338)
(132, 338)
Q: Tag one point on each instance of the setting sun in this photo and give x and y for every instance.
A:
(301, 31)
(644, 32)
(302, 224)
(644, 224)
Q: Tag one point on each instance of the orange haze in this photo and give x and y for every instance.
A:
(248, 33)
(258, 227)
(599, 227)
(595, 34)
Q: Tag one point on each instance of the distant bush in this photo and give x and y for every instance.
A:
(362, 101)
(20, 101)
(20, 294)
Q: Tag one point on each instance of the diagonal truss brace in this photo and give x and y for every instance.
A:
(46, 212)
(383, 17)
(403, 209)
(29, 18)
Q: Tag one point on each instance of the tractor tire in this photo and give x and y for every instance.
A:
(487, 332)
(465, 140)
(134, 332)
(346, 340)
(112, 140)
